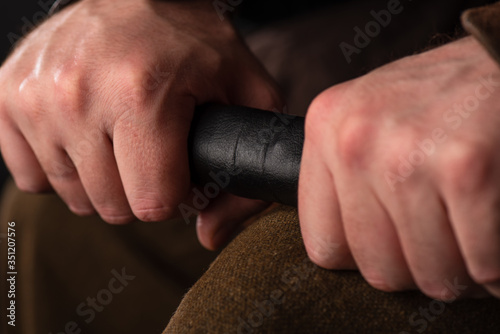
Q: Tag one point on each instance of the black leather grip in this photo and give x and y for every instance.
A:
(247, 152)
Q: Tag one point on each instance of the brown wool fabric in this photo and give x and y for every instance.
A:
(263, 282)
(62, 260)
(484, 24)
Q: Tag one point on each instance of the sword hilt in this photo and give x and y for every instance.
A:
(247, 152)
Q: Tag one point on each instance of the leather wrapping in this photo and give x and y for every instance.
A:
(247, 152)
(484, 24)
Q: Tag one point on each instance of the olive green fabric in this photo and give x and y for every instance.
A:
(136, 273)
(263, 282)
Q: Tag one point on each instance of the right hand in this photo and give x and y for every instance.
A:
(96, 103)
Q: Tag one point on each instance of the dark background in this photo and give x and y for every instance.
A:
(11, 14)
(11, 22)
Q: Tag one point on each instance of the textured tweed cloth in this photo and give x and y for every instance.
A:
(67, 269)
(263, 282)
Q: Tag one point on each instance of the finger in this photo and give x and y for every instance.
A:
(58, 169)
(319, 214)
(99, 174)
(224, 218)
(474, 211)
(151, 154)
(63, 176)
(372, 237)
(428, 241)
(21, 161)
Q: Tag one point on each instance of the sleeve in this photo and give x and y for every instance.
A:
(483, 24)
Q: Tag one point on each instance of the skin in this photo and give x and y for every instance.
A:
(436, 225)
(97, 106)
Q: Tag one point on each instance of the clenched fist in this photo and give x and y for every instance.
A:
(96, 103)
(401, 172)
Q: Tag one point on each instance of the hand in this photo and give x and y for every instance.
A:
(96, 103)
(400, 174)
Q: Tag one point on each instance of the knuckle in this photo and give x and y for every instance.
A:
(434, 289)
(32, 185)
(81, 210)
(351, 127)
(320, 259)
(400, 159)
(151, 210)
(462, 161)
(328, 115)
(134, 97)
(114, 213)
(70, 90)
(61, 171)
(318, 114)
(136, 86)
(331, 97)
(328, 255)
(27, 97)
(384, 283)
(116, 218)
(337, 262)
(485, 275)
(26, 89)
(352, 139)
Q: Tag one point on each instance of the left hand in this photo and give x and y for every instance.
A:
(401, 171)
